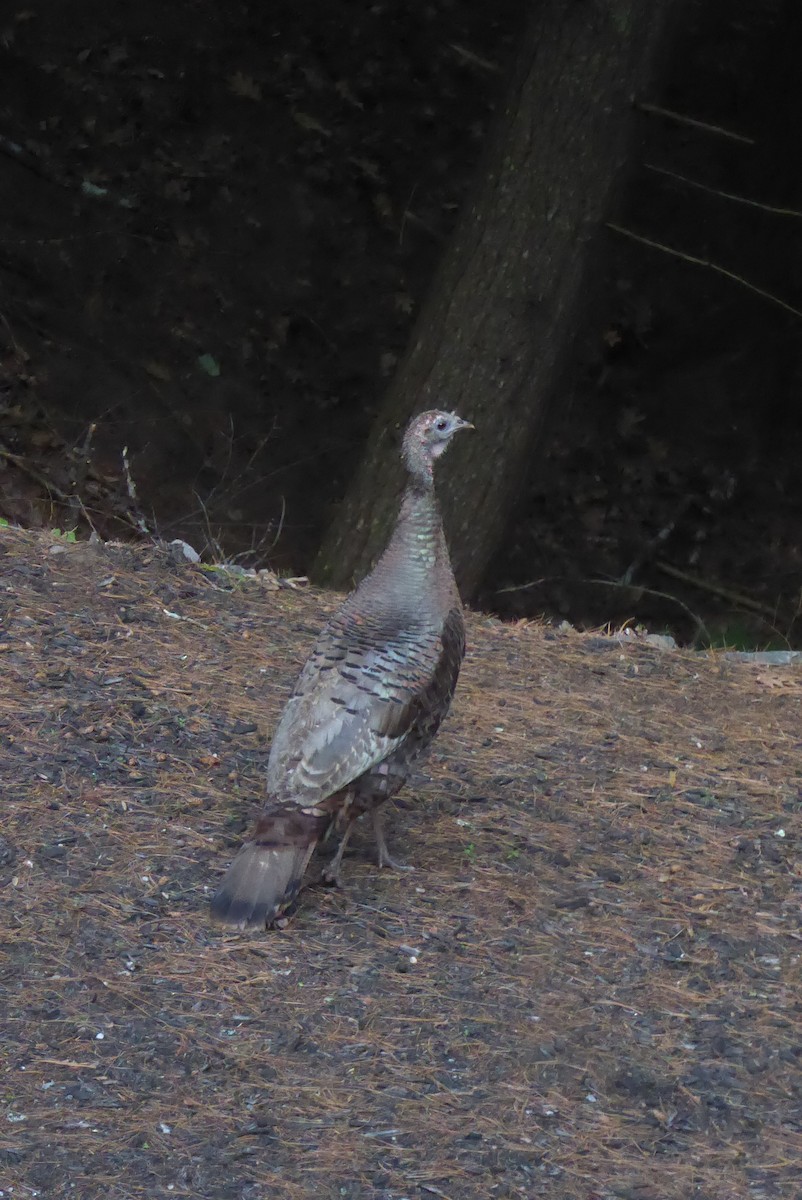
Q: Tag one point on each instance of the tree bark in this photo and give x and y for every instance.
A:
(503, 306)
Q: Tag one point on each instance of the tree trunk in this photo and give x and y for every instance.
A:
(503, 305)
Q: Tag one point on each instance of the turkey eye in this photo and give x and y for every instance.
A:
(441, 424)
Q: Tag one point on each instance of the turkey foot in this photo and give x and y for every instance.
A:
(385, 857)
(331, 873)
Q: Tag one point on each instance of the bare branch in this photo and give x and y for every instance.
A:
(704, 262)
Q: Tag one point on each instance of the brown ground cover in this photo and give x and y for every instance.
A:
(589, 988)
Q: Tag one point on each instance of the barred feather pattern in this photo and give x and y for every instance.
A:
(370, 699)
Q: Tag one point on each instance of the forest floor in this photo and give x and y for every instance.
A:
(589, 988)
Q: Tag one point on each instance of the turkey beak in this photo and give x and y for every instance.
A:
(465, 425)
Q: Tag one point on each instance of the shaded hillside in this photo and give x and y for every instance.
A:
(588, 988)
(220, 222)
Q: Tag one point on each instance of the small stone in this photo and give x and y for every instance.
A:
(54, 850)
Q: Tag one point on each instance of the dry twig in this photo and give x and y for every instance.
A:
(703, 187)
(717, 589)
(683, 119)
(704, 262)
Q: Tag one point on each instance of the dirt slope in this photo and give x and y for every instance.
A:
(590, 988)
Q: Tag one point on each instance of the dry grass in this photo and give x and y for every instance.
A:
(590, 987)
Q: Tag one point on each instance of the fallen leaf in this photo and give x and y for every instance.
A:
(771, 679)
(310, 124)
(245, 86)
(158, 371)
(209, 364)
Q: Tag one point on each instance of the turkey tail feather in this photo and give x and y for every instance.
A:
(266, 875)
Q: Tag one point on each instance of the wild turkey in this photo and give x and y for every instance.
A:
(369, 700)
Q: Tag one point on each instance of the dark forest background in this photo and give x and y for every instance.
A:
(220, 223)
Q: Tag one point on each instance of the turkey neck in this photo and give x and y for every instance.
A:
(415, 567)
